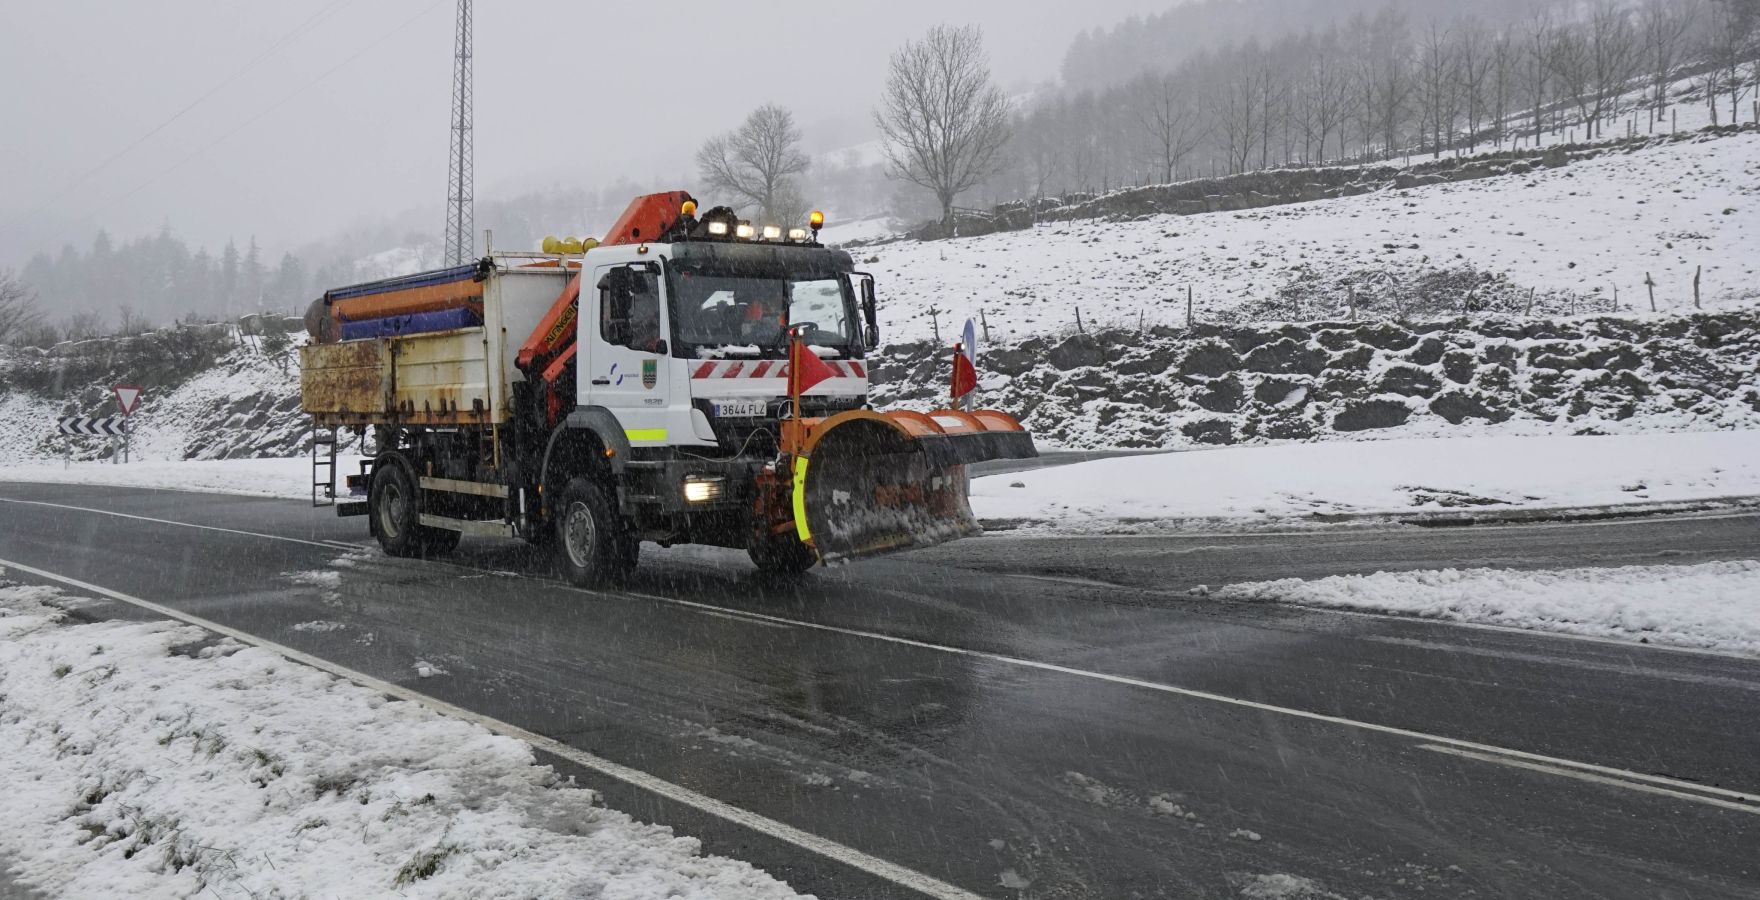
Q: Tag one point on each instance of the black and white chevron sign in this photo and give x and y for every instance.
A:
(115, 426)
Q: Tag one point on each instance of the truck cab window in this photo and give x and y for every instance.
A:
(629, 308)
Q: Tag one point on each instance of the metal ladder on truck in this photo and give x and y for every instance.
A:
(323, 466)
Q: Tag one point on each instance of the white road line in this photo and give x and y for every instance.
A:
(897, 874)
(1749, 797)
(107, 512)
(1591, 777)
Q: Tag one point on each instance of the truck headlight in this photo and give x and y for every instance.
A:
(704, 488)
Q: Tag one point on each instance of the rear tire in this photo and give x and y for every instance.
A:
(594, 545)
(394, 506)
(781, 554)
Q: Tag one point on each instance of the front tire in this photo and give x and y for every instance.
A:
(594, 545)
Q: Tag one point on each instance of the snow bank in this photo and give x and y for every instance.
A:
(288, 478)
(140, 761)
(1294, 481)
(1589, 226)
(1710, 606)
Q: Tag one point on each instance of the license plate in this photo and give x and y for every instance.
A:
(737, 409)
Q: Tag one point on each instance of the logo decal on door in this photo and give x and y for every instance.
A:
(650, 373)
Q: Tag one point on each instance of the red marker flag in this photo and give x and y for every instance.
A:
(805, 368)
(965, 375)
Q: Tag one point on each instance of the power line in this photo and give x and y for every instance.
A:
(283, 41)
(260, 114)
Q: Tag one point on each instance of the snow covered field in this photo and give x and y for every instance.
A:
(1713, 606)
(142, 760)
(1587, 227)
(1290, 482)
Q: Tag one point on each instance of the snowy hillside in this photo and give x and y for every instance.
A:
(1573, 234)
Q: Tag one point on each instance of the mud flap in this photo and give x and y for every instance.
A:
(870, 483)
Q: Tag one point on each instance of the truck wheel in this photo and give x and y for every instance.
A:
(594, 546)
(782, 554)
(395, 508)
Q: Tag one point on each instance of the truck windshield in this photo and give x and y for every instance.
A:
(738, 315)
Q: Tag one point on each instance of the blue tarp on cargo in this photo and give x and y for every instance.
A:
(414, 323)
(419, 279)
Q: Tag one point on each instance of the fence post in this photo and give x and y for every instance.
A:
(1615, 299)
(1530, 309)
(1079, 328)
(985, 324)
(935, 323)
(1188, 307)
(1696, 270)
(1650, 285)
(1353, 303)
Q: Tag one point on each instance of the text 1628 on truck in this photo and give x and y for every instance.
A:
(691, 379)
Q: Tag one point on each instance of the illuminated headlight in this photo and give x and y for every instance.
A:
(772, 233)
(704, 488)
(797, 234)
(744, 231)
(718, 229)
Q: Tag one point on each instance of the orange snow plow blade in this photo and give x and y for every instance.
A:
(867, 483)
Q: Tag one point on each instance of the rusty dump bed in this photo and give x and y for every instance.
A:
(445, 378)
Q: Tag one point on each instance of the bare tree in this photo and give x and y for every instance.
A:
(756, 163)
(1536, 67)
(1324, 99)
(1612, 47)
(942, 121)
(1664, 26)
(1168, 118)
(83, 326)
(1437, 80)
(18, 308)
(1568, 58)
(1501, 90)
(1730, 43)
(1475, 54)
(1237, 108)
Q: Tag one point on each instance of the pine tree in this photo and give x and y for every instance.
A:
(228, 286)
(251, 273)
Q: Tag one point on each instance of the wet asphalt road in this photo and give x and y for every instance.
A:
(960, 710)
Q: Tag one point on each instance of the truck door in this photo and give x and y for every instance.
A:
(625, 366)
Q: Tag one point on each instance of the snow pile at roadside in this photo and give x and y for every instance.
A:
(286, 478)
(1297, 481)
(142, 761)
(1710, 606)
(1587, 227)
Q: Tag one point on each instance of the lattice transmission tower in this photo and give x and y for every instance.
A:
(460, 239)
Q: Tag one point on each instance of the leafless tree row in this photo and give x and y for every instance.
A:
(1380, 85)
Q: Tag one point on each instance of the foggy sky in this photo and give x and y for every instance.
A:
(565, 93)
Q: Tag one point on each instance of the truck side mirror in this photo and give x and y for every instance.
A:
(871, 333)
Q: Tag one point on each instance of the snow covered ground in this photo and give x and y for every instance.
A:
(1713, 606)
(143, 760)
(1293, 482)
(1234, 485)
(285, 478)
(1583, 228)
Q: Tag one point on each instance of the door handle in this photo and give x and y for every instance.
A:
(601, 381)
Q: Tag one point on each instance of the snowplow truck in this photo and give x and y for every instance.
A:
(590, 398)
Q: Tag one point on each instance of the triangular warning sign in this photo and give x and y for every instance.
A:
(127, 396)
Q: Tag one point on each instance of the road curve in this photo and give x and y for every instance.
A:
(1032, 717)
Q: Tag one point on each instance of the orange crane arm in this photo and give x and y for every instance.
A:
(555, 332)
